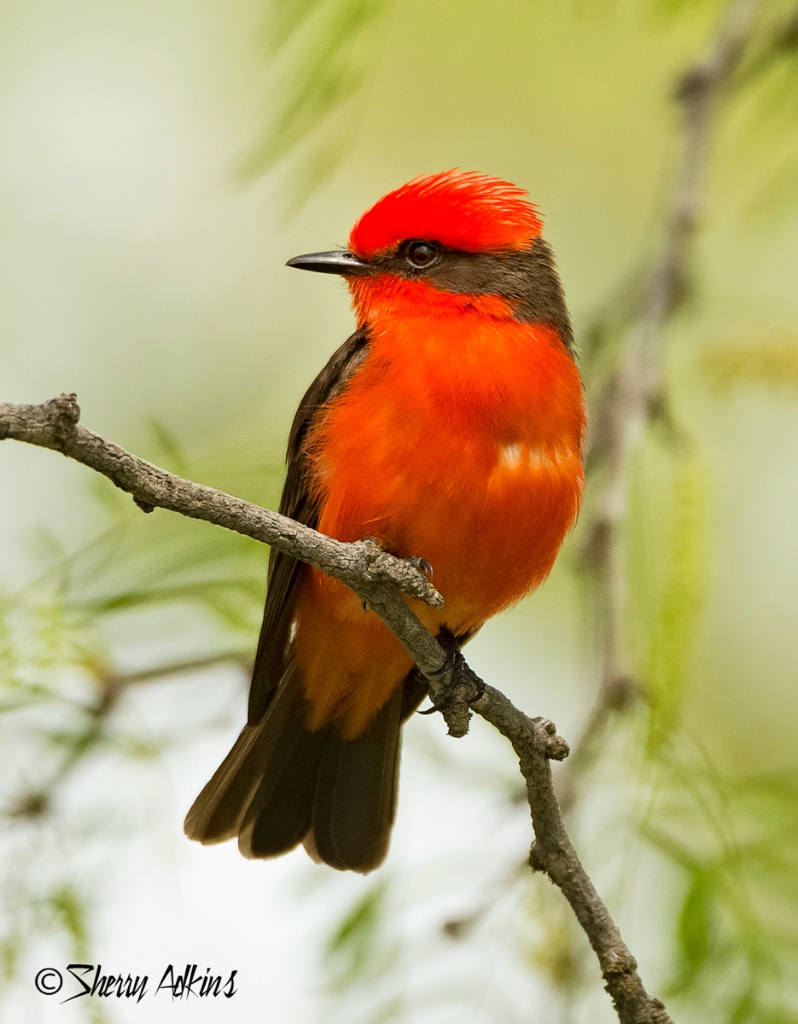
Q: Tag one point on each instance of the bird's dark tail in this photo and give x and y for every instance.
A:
(282, 784)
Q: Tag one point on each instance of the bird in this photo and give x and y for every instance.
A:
(450, 427)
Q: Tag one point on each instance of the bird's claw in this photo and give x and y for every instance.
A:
(422, 565)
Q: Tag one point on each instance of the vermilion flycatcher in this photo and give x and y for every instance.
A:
(450, 427)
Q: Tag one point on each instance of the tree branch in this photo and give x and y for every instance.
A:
(379, 579)
(363, 566)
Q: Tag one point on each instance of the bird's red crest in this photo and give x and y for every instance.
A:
(461, 210)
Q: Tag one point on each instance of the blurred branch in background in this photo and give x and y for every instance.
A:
(635, 395)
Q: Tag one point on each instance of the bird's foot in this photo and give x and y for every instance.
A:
(453, 688)
(421, 565)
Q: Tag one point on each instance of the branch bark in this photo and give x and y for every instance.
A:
(380, 580)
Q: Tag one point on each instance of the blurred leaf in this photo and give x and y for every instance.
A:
(313, 102)
(771, 361)
(768, 205)
(554, 943)
(138, 748)
(289, 18)
(358, 946)
(695, 926)
(203, 590)
(775, 45)
(327, 49)
(668, 10)
(40, 637)
(170, 452)
(670, 845)
(9, 956)
(675, 622)
(70, 911)
(25, 696)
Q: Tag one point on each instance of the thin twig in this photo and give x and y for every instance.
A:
(378, 579)
(120, 680)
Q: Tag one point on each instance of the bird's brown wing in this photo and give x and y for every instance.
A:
(283, 783)
(297, 503)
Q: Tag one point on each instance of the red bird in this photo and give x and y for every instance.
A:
(450, 426)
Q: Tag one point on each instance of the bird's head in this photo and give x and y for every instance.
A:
(452, 243)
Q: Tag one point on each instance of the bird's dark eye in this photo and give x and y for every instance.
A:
(421, 255)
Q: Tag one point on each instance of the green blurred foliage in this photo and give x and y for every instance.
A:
(322, 55)
(737, 931)
(669, 551)
(769, 361)
(357, 949)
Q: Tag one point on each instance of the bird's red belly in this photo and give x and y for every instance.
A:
(494, 534)
(488, 515)
(460, 447)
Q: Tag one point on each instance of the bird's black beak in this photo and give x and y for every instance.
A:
(339, 261)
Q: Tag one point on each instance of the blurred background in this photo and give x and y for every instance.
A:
(161, 161)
